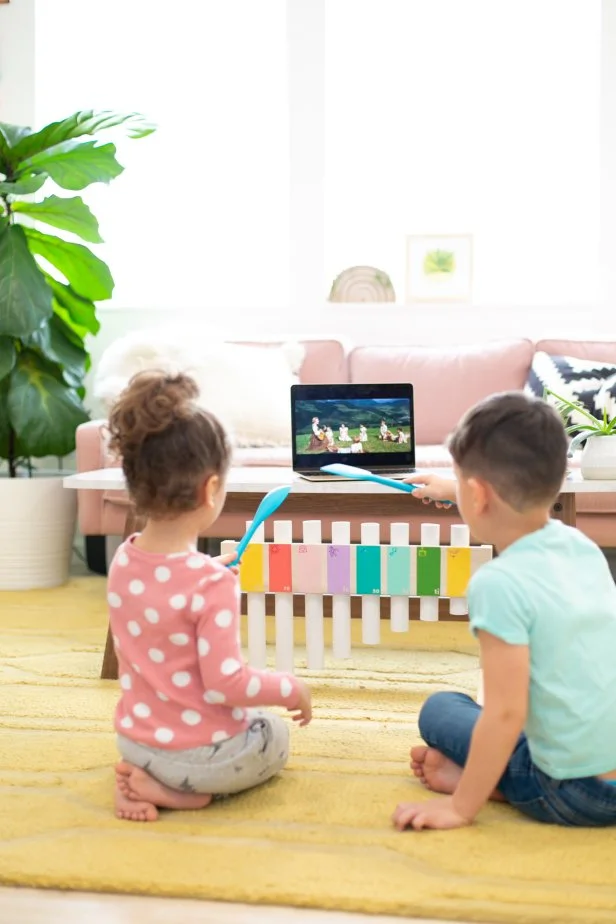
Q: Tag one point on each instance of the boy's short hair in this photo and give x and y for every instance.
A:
(515, 442)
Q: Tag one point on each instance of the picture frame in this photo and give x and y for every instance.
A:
(439, 268)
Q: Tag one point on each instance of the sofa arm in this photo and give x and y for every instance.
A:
(90, 456)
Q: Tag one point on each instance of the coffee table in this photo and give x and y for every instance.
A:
(247, 486)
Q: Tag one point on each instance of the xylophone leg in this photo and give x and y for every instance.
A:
(315, 639)
(341, 603)
(283, 608)
(257, 636)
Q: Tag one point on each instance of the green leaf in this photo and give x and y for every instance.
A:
(79, 313)
(85, 273)
(7, 356)
(56, 341)
(25, 297)
(10, 137)
(43, 410)
(24, 187)
(86, 122)
(75, 164)
(572, 406)
(67, 214)
(4, 418)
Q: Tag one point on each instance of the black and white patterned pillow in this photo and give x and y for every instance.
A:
(591, 382)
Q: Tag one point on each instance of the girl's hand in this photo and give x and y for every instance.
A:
(436, 813)
(433, 488)
(303, 709)
(226, 560)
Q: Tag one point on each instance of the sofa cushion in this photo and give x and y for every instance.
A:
(601, 350)
(446, 380)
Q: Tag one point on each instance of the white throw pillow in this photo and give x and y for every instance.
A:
(246, 385)
(248, 388)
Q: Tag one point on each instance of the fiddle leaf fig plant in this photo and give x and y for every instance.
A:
(590, 427)
(49, 283)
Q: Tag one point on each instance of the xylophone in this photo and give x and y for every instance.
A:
(368, 569)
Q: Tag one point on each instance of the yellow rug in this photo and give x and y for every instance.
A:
(318, 836)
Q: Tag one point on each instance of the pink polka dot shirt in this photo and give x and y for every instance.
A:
(175, 625)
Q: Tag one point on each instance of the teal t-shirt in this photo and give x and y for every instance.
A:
(552, 590)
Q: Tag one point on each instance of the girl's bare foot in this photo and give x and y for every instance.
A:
(137, 786)
(128, 810)
(434, 770)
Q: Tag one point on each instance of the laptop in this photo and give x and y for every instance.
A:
(369, 426)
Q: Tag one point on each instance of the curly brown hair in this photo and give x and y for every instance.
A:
(168, 445)
(515, 442)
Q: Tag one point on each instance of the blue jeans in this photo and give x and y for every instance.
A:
(446, 723)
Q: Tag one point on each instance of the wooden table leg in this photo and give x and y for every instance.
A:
(109, 669)
(564, 509)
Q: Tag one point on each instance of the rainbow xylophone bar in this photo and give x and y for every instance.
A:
(368, 569)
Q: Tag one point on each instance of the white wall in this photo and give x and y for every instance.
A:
(310, 316)
(17, 62)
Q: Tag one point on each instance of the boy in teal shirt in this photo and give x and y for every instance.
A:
(544, 612)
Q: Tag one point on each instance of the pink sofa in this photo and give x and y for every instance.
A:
(447, 380)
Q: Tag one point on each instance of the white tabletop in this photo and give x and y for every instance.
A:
(253, 480)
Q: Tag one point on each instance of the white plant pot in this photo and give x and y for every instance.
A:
(598, 461)
(37, 527)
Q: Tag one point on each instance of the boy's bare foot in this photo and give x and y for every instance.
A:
(137, 786)
(129, 810)
(434, 770)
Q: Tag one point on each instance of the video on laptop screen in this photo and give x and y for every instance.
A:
(358, 421)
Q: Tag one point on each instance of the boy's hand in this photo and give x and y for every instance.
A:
(437, 813)
(433, 488)
(302, 711)
(226, 560)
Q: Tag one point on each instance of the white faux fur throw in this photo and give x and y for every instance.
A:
(246, 386)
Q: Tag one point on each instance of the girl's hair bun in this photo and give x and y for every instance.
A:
(166, 442)
(150, 404)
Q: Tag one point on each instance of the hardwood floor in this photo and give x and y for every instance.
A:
(26, 906)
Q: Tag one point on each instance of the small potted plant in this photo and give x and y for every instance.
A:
(49, 284)
(598, 460)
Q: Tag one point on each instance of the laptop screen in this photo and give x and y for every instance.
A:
(370, 426)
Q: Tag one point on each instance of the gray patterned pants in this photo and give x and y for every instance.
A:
(231, 766)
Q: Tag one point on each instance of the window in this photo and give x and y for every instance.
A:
(466, 116)
(199, 219)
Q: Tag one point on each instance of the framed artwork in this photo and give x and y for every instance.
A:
(439, 268)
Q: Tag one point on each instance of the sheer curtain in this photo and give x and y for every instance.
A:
(199, 219)
(466, 116)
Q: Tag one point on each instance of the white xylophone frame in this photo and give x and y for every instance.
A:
(341, 602)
